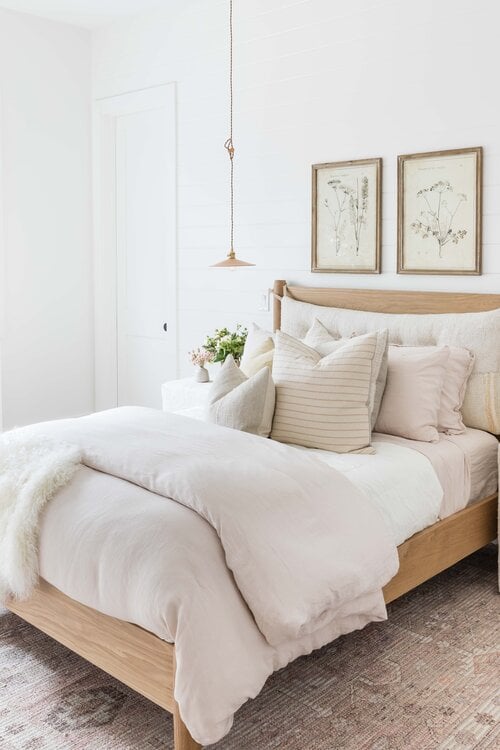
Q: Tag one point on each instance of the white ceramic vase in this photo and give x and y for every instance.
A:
(201, 375)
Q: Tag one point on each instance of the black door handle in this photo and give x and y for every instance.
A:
(165, 326)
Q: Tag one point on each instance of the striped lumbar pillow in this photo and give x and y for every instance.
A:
(324, 402)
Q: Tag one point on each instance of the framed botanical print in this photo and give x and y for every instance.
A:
(346, 216)
(439, 212)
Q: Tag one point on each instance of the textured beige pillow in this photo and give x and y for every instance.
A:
(479, 332)
(458, 370)
(259, 350)
(412, 397)
(245, 404)
(324, 342)
(324, 402)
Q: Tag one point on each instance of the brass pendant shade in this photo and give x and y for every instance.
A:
(231, 261)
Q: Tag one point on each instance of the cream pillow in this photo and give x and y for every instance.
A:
(458, 370)
(245, 404)
(412, 398)
(324, 342)
(324, 402)
(258, 351)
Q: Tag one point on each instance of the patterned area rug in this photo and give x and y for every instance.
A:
(424, 680)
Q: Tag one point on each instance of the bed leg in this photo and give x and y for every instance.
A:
(182, 738)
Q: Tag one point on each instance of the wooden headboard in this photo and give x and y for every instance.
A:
(388, 301)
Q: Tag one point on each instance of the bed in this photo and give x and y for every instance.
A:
(147, 663)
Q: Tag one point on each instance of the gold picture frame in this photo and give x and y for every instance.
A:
(440, 212)
(347, 216)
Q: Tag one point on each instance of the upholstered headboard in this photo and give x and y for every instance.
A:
(412, 318)
(388, 301)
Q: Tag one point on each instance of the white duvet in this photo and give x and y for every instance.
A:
(261, 555)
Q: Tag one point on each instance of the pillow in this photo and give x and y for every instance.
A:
(324, 402)
(479, 332)
(458, 370)
(324, 342)
(245, 404)
(412, 397)
(258, 351)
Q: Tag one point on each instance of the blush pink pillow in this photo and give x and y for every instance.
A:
(458, 370)
(412, 398)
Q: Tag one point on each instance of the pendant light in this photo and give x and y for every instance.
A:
(231, 261)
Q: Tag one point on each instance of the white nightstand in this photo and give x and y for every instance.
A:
(185, 396)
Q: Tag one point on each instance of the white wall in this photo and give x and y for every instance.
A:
(47, 347)
(316, 81)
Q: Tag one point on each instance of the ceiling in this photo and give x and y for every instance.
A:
(87, 13)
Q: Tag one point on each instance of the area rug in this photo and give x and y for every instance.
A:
(426, 679)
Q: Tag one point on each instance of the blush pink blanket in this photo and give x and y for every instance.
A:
(304, 550)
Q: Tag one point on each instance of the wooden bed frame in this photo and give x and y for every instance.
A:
(144, 662)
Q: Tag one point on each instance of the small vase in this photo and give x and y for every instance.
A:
(201, 375)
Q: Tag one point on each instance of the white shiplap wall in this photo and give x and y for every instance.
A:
(315, 80)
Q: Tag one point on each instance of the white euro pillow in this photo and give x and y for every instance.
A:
(242, 403)
(258, 351)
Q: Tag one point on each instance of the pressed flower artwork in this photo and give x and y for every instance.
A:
(346, 216)
(439, 212)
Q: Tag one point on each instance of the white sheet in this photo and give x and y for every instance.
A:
(398, 480)
(481, 451)
(464, 464)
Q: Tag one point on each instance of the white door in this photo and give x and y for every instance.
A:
(139, 240)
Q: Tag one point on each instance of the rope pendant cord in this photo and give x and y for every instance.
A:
(228, 145)
(231, 261)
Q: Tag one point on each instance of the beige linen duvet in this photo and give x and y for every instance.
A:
(241, 551)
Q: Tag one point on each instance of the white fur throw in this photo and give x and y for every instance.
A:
(31, 471)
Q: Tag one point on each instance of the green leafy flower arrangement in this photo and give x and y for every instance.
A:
(225, 342)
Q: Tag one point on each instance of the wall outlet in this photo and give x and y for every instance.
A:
(264, 301)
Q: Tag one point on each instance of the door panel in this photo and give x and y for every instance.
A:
(135, 257)
(146, 353)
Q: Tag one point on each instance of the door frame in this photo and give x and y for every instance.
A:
(104, 116)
